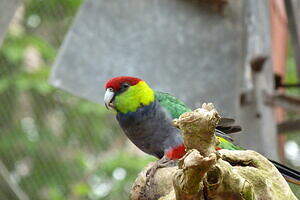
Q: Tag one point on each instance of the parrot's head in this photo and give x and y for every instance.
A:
(127, 94)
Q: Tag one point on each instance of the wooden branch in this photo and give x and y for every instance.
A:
(204, 173)
(288, 102)
(289, 126)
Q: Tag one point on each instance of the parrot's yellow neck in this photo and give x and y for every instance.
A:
(135, 97)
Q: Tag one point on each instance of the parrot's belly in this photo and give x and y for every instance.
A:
(150, 129)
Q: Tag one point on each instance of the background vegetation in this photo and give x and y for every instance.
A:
(57, 146)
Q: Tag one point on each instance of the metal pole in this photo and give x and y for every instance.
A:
(20, 194)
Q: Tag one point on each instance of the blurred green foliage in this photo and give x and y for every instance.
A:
(56, 146)
(291, 73)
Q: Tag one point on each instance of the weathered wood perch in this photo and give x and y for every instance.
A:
(204, 173)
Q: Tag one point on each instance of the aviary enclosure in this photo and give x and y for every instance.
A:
(58, 141)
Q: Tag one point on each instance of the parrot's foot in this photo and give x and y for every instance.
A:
(163, 162)
(150, 182)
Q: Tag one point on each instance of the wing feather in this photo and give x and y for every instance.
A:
(172, 104)
(176, 108)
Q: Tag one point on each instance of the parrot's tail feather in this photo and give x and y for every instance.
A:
(290, 175)
(291, 180)
(225, 125)
(223, 135)
(229, 129)
(226, 121)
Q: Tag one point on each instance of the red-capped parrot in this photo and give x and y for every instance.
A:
(146, 118)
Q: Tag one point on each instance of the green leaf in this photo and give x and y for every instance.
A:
(81, 189)
(4, 84)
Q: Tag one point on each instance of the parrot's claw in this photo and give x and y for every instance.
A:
(163, 162)
(149, 188)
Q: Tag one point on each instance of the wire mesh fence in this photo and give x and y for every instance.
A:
(54, 145)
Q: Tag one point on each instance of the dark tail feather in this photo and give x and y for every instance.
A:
(226, 126)
(223, 135)
(289, 174)
(229, 129)
(226, 121)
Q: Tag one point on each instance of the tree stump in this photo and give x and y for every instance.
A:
(204, 173)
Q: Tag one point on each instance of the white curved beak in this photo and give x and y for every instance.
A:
(108, 97)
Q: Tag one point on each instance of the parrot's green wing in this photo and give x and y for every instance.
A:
(176, 107)
(173, 105)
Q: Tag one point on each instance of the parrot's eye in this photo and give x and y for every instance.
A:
(124, 86)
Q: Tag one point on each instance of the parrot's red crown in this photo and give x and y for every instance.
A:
(116, 82)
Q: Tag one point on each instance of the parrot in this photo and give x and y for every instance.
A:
(146, 117)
